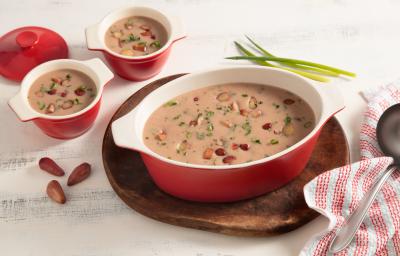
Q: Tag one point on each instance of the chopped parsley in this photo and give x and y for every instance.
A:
(247, 127)
(177, 117)
(274, 141)
(287, 120)
(210, 127)
(257, 141)
(200, 135)
(156, 44)
(245, 95)
(41, 105)
(171, 103)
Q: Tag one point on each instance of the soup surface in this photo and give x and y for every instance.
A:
(62, 92)
(228, 124)
(136, 36)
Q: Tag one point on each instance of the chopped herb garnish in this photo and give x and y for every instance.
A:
(171, 103)
(163, 143)
(257, 141)
(200, 135)
(307, 124)
(247, 127)
(276, 105)
(274, 141)
(77, 102)
(83, 87)
(188, 135)
(68, 77)
(287, 120)
(53, 85)
(156, 44)
(41, 105)
(245, 95)
(133, 38)
(142, 43)
(43, 89)
(181, 123)
(210, 127)
(209, 113)
(177, 117)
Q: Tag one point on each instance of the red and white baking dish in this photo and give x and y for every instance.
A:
(209, 183)
(67, 126)
(139, 67)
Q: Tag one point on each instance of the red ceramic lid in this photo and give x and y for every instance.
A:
(24, 48)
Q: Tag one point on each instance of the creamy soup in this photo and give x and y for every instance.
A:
(228, 124)
(62, 92)
(135, 36)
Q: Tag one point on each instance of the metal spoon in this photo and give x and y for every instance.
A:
(388, 136)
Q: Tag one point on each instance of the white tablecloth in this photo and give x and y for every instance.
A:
(361, 36)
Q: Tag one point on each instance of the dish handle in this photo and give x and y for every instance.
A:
(92, 38)
(178, 28)
(18, 105)
(102, 71)
(333, 98)
(125, 134)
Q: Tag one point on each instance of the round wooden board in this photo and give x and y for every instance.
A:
(274, 213)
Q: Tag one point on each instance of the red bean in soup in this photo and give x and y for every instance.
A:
(62, 92)
(135, 36)
(228, 124)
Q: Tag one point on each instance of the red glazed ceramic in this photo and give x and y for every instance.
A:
(67, 126)
(141, 67)
(24, 48)
(224, 183)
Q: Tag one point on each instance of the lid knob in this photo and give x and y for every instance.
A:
(27, 39)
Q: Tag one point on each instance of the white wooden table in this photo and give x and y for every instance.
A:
(361, 36)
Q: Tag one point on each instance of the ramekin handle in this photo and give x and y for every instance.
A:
(93, 41)
(333, 98)
(178, 31)
(101, 69)
(125, 134)
(18, 105)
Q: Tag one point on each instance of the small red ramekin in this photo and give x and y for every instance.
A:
(67, 126)
(141, 67)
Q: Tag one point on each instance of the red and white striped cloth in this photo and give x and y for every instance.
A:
(336, 193)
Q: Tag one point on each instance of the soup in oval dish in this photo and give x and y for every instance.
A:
(228, 124)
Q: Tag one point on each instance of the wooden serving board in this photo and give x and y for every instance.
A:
(274, 213)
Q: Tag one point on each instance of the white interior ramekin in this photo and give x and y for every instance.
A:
(95, 34)
(94, 68)
(325, 100)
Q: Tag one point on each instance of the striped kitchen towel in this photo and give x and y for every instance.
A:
(336, 193)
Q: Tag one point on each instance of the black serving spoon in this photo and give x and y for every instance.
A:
(388, 136)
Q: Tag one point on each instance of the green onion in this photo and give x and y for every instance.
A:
(294, 61)
(156, 44)
(247, 127)
(299, 66)
(265, 63)
(287, 120)
(170, 103)
(200, 136)
(274, 141)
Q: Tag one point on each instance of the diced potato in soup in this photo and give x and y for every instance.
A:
(135, 36)
(62, 92)
(228, 124)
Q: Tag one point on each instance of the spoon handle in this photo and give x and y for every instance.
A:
(346, 233)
